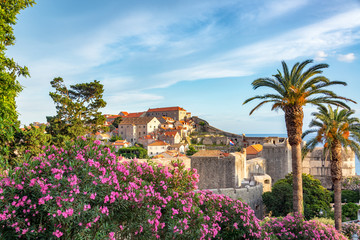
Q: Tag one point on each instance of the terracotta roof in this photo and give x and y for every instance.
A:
(178, 145)
(171, 133)
(166, 109)
(136, 120)
(147, 137)
(254, 149)
(158, 143)
(112, 116)
(133, 115)
(125, 113)
(209, 153)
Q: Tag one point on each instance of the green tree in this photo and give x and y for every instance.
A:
(293, 90)
(9, 73)
(115, 138)
(133, 152)
(337, 130)
(77, 110)
(117, 121)
(316, 197)
(32, 139)
(349, 211)
(191, 151)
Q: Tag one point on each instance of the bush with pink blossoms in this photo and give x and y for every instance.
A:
(349, 229)
(295, 227)
(84, 192)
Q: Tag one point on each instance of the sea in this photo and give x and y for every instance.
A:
(357, 163)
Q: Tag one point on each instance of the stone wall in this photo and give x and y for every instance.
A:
(220, 172)
(278, 160)
(251, 195)
(318, 165)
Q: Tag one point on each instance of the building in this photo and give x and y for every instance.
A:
(146, 140)
(181, 147)
(171, 137)
(176, 113)
(133, 128)
(157, 147)
(120, 144)
(253, 151)
(217, 169)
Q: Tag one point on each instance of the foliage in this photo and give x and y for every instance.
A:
(191, 151)
(9, 72)
(349, 229)
(349, 211)
(332, 126)
(295, 227)
(279, 200)
(133, 152)
(77, 110)
(115, 138)
(326, 221)
(116, 122)
(350, 196)
(33, 139)
(84, 192)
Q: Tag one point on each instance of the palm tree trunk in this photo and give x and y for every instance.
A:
(336, 175)
(294, 121)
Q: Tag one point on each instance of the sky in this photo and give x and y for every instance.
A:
(201, 55)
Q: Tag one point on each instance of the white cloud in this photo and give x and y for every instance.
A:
(320, 56)
(350, 57)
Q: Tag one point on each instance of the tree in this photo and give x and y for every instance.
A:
(191, 151)
(77, 110)
(117, 121)
(337, 130)
(9, 72)
(316, 197)
(293, 90)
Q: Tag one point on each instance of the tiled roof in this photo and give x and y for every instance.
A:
(125, 113)
(112, 116)
(209, 153)
(166, 109)
(158, 143)
(254, 149)
(136, 120)
(147, 137)
(133, 115)
(171, 133)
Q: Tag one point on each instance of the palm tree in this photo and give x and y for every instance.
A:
(338, 130)
(293, 90)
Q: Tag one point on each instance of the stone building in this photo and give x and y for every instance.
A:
(135, 127)
(278, 159)
(157, 147)
(317, 164)
(217, 169)
(176, 113)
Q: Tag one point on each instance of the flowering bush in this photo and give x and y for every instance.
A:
(83, 191)
(350, 228)
(295, 227)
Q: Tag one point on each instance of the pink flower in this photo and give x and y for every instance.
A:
(57, 233)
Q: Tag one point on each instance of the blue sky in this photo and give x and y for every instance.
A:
(201, 55)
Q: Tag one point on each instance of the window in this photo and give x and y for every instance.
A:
(267, 181)
(121, 126)
(121, 132)
(144, 132)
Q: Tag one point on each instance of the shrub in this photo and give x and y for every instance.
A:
(279, 200)
(326, 221)
(133, 152)
(295, 227)
(350, 196)
(349, 211)
(82, 191)
(349, 229)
